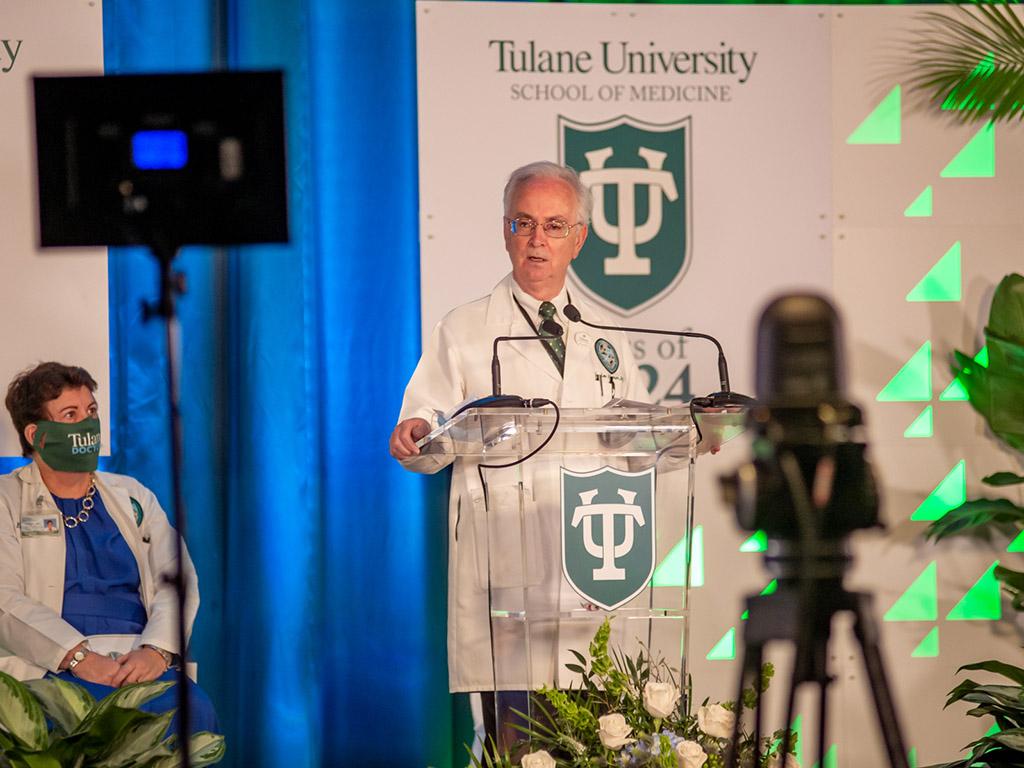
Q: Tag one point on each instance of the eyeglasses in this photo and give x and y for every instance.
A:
(524, 227)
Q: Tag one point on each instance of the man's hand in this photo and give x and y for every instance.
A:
(403, 439)
(96, 668)
(139, 666)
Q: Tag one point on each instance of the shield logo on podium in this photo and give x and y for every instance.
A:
(640, 232)
(608, 530)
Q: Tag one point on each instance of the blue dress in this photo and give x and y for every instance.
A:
(101, 597)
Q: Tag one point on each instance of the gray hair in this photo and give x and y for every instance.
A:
(546, 170)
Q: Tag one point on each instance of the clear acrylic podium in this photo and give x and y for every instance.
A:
(598, 524)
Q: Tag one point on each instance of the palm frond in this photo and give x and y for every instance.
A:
(969, 61)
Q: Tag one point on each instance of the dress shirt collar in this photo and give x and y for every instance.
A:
(532, 305)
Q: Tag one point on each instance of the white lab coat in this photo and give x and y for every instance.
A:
(456, 366)
(33, 637)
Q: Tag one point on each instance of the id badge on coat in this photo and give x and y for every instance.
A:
(40, 525)
(609, 359)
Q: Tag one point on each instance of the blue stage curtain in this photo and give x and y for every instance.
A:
(321, 638)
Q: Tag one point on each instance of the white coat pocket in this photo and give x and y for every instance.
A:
(513, 529)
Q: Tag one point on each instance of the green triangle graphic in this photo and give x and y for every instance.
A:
(947, 495)
(771, 588)
(756, 543)
(993, 730)
(977, 159)
(921, 426)
(942, 282)
(697, 558)
(797, 744)
(986, 66)
(982, 601)
(725, 649)
(919, 602)
(955, 391)
(983, 69)
(928, 648)
(831, 757)
(670, 572)
(922, 205)
(882, 126)
(798, 726)
(913, 382)
(1017, 545)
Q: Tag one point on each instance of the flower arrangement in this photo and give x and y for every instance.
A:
(627, 714)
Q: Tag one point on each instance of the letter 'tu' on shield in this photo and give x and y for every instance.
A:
(608, 533)
(640, 234)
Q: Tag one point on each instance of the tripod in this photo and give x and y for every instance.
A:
(801, 612)
(172, 284)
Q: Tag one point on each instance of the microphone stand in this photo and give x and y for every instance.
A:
(496, 399)
(722, 399)
(172, 285)
(573, 314)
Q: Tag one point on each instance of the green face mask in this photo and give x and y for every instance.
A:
(69, 447)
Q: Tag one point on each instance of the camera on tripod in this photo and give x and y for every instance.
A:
(808, 485)
(808, 465)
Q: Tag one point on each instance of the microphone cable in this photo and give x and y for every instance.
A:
(537, 402)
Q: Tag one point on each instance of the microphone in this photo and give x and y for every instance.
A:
(549, 327)
(496, 399)
(717, 399)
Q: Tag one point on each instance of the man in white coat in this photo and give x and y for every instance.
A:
(546, 213)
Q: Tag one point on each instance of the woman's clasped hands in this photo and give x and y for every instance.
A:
(138, 666)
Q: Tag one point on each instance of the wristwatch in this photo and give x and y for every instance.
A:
(78, 656)
(167, 656)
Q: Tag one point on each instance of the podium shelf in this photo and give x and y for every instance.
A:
(582, 614)
(511, 432)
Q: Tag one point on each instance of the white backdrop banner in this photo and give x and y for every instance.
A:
(656, 114)
(53, 303)
(736, 153)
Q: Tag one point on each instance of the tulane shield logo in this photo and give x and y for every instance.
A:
(608, 533)
(639, 173)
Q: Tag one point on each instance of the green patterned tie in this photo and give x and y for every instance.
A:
(553, 344)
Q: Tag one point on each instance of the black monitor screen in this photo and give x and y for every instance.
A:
(129, 159)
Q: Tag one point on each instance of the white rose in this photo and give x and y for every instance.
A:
(660, 699)
(540, 759)
(613, 731)
(716, 721)
(690, 755)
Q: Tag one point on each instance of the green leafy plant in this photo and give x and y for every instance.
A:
(969, 61)
(85, 733)
(996, 391)
(627, 713)
(1005, 703)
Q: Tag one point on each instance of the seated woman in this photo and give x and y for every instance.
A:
(83, 554)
